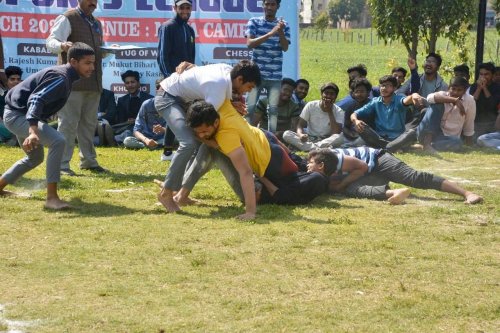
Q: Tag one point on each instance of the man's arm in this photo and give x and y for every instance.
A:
(164, 49)
(414, 99)
(414, 77)
(300, 129)
(3, 77)
(59, 33)
(254, 41)
(335, 128)
(240, 162)
(355, 169)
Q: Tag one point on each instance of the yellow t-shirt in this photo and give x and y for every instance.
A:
(235, 132)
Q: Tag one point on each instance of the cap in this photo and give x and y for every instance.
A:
(329, 85)
(182, 2)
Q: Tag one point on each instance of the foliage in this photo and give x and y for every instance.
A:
(496, 7)
(347, 10)
(423, 20)
(321, 21)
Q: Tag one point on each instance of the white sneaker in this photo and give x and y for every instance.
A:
(164, 157)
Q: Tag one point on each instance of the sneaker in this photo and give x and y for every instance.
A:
(166, 157)
(68, 172)
(96, 169)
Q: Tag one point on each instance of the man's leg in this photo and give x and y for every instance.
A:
(69, 117)
(491, 140)
(86, 128)
(372, 138)
(430, 126)
(175, 117)
(293, 139)
(333, 141)
(131, 142)
(252, 99)
(447, 143)
(404, 140)
(273, 96)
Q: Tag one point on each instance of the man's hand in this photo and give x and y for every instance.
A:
(359, 125)
(31, 142)
(458, 103)
(158, 129)
(412, 64)
(481, 83)
(240, 107)
(150, 143)
(65, 46)
(418, 100)
(183, 66)
(303, 137)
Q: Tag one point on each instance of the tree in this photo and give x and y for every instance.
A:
(496, 7)
(347, 10)
(413, 20)
(321, 22)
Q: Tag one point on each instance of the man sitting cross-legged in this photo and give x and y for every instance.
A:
(250, 150)
(450, 115)
(365, 172)
(389, 111)
(324, 122)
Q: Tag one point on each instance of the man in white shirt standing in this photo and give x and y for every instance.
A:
(450, 116)
(78, 118)
(323, 120)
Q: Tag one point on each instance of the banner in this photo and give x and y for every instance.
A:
(219, 26)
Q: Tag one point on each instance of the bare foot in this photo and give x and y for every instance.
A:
(187, 201)
(472, 198)
(398, 196)
(4, 193)
(56, 204)
(168, 202)
(158, 182)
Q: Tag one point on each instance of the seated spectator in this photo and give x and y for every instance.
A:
(288, 111)
(496, 77)
(428, 82)
(450, 115)
(400, 74)
(491, 140)
(365, 172)
(487, 96)
(128, 106)
(462, 71)
(300, 93)
(106, 117)
(389, 112)
(323, 120)
(360, 92)
(356, 72)
(13, 74)
(149, 128)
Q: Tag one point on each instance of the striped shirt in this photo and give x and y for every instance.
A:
(366, 154)
(268, 55)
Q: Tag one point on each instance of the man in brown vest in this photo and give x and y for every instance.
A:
(78, 118)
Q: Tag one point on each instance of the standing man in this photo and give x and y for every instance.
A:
(269, 37)
(176, 44)
(78, 118)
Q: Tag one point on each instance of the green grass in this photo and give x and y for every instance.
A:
(119, 263)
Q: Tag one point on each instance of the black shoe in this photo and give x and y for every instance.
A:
(68, 172)
(96, 169)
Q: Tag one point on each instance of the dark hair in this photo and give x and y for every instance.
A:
(360, 68)
(325, 156)
(459, 81)
(201, 113)
(248, 70)
(489, 66)
(497, 69)
(303, 81)
(290, 82)
(277, 2)
(463, 68)
(330, 85)
(388, 79)
(399, 69)
(157, 82)
(436, 56)
(129, 73)
(361, 82)
(13, 70)
(79, 50)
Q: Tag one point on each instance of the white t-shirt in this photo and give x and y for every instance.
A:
(211, 83)
(318, 122)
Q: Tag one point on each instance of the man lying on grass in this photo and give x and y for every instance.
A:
(30, 104)
(365, 172)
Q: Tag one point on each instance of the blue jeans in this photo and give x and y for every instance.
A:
(273, 88)
(175, 116)
(431, 124)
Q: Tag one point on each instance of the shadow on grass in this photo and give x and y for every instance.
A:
(103, 209)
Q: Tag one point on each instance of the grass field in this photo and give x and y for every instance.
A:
(118, 263)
